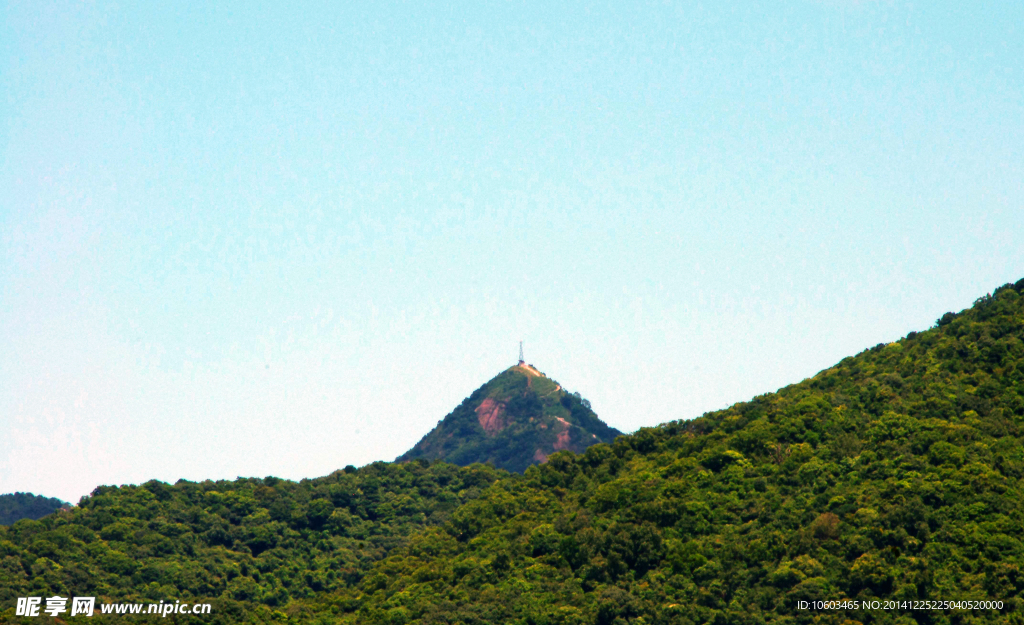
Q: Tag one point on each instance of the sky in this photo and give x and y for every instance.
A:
(253, 239)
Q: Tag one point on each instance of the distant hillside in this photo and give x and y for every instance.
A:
(515, 420)
(17, 506)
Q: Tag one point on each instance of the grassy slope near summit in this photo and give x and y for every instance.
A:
(249, 546)
(896, 474)
(513, 421)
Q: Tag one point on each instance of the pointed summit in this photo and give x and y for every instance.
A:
(517, 419)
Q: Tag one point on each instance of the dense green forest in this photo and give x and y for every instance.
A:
(895, 475)
(251, 545)
(17, 506)
(515, 420)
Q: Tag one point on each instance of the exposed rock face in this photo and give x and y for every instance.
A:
(490, 413)
(517, 419)
(562, 442)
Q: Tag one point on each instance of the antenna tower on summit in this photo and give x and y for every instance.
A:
(521, 361)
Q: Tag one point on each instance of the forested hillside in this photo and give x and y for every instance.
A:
(896, 474)
(249, 544)
(17, 506)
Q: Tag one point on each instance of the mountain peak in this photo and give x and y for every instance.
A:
(528, 370)
(516, 419)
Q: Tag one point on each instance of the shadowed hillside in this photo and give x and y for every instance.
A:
(17, 506)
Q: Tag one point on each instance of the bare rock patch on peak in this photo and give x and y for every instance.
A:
(491, 416)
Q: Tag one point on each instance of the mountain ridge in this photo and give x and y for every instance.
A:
(892, 479)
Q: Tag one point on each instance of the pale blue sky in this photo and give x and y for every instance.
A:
(276, 240)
